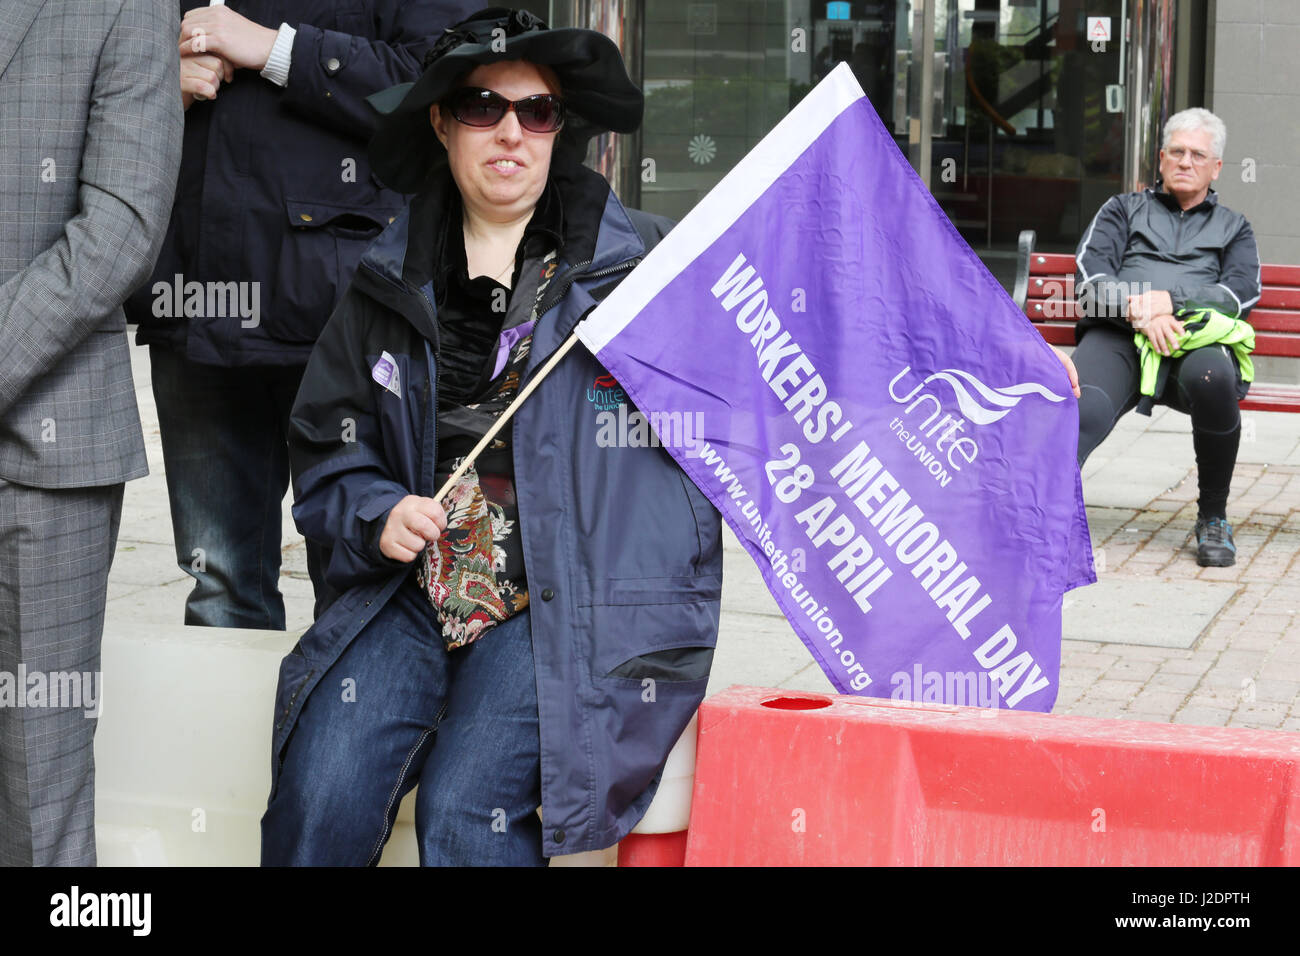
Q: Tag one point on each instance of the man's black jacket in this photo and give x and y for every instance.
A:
(1204, 257)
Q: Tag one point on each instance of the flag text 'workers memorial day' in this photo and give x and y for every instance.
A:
(886, 433)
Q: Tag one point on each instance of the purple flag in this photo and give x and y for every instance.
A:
(887, 434)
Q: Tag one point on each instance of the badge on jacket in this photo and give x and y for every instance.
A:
(385, 373)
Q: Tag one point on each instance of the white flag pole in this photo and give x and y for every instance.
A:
(542, 372)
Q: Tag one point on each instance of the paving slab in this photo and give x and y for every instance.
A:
(1157, 613)
(811, 679)
(1132, 482)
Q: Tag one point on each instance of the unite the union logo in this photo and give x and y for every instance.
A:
(605, 393)
(926, 419)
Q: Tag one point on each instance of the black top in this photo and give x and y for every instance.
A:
(471, 311)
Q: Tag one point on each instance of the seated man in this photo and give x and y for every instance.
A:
(1152, 262)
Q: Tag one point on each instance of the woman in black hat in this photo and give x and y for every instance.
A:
(556, 634)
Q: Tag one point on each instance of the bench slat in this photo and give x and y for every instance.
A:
(1277, 333)
(1062, 264)
(1056, 334)
(1287, 346)
(1271, 398)
(1051, 287)
(1048, 263)
(1250, 405)
(1040, 308)
(1270, 274)
(1266, 320)
(1052, 310)
(1273, 297)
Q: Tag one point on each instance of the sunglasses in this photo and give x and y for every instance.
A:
(475, 106)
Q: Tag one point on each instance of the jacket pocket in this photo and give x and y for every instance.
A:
(708, 526)
(677, 589)
(674, 665)
(669, 642)
(319, 251)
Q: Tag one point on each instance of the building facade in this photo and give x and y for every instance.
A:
(1017, 114)
(1256, 89)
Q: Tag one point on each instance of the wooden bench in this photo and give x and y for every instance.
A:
(1045, 290)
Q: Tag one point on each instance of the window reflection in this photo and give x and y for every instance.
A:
(1023, 135)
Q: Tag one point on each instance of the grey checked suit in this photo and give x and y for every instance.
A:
(90, 139)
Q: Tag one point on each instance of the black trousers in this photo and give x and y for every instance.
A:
(1205, 384)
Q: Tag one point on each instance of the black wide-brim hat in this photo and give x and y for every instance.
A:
(597, 92)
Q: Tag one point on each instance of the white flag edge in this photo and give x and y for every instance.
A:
(725, 203)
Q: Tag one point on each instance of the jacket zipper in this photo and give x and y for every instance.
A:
(562, 285)
(565, 281)
(557, 292)
(431, 392)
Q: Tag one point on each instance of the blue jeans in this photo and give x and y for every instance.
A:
(396, 710)
(225, 452)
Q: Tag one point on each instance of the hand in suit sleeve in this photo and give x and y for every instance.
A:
(129, 163)
(332, 73)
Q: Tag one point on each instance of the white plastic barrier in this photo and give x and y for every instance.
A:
(183, 750)
(670, 810)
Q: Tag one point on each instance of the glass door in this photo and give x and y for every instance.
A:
(1012, 111)
(1028, 114)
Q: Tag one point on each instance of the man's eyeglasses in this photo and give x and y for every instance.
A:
(1176, 153)
(475, 106)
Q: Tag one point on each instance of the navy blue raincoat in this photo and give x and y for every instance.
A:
(275, 189)
(623, 553)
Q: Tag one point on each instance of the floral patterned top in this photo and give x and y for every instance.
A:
(474, 574)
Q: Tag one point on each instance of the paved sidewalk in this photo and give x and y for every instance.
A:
(1239, 627)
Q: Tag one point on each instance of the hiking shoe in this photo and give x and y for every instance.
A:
(1214, 547)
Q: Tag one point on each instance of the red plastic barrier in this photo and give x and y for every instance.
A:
(859, 781)
(652, 849)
